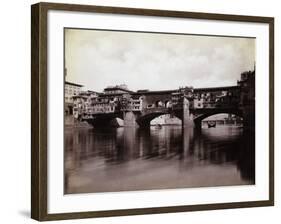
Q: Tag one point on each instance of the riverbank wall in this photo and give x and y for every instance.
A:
(70, 122)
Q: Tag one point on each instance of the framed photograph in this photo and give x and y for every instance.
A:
(141, 111)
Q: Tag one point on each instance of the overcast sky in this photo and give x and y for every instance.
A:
(97, 59)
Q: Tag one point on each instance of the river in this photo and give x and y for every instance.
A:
(167, 157)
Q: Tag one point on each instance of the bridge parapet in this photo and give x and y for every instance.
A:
(155, 110)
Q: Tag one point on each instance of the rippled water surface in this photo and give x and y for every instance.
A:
(123, 159)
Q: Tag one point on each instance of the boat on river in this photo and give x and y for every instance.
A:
(158, 126)
(211, 124)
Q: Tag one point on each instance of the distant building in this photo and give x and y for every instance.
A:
(247, 84)
(70, 90)
(247, 98)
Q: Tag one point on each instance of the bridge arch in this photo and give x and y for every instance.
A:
(168, 104)
(199, 118)
(145, 120)
(159, 104)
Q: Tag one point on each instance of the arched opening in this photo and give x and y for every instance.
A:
(168, 104)
(159, 103)
(158, 118)
(221, 119)
(165, 119)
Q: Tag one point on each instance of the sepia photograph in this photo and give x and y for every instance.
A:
(152, 111)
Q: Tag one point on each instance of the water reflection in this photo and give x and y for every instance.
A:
(118, 159)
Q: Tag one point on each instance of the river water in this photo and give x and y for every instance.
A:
(167, 157)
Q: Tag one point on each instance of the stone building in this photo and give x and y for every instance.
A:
(70, 90)
(247, 98)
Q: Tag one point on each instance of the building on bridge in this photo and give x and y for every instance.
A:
(82, 102)
(136, 102)
(112, 100)
(198, 103)
(218, 96)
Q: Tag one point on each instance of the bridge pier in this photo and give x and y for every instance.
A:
(101, 122)
(187, 117)
(130, 119)
(144, 125)
(187, 137)
(198, 126)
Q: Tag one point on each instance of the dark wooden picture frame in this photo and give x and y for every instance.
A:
(39, 202)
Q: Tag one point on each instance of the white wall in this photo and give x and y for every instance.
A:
(15, 111)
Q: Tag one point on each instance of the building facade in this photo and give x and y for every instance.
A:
(70, 90)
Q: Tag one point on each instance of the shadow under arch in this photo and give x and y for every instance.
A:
(198, 119)
(144, 121)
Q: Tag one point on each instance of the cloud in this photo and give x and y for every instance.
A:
(97, 59)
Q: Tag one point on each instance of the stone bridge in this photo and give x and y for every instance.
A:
(191, 105)
(190, 117)
(140, 108)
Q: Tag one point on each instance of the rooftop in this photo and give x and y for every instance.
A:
(72, 84)
(89, 92)
(216, 88)
(110, 88)
(155, 92)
